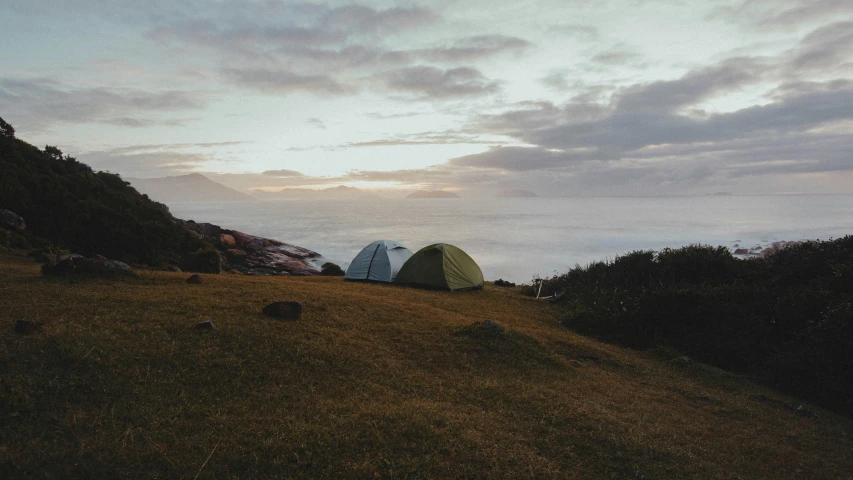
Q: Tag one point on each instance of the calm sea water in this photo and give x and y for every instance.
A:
(517, 238)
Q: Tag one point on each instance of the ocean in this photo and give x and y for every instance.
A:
(519, 238)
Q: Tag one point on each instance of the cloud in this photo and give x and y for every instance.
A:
(316, 122)
(795, 12)
(616, 56)
(144, 165)
(38, 103)
(669, 95)
(525, 158)
(360, 19)
(284, 81)
(585, 32)
(437, 83)
(557, 80)
(283, 173)
(827, 48)
(472, 48)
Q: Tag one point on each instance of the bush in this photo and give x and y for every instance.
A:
(786, 318)
(331, 270)
(205, 260)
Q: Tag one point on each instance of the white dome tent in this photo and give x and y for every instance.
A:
(378, 262)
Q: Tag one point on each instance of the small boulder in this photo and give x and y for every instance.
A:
(11, 221)
(116, 266)
(26, 327)
(66, 264)
(194, 279)
(284, 310)
(741, 251)
(206, 326)
(172, 268)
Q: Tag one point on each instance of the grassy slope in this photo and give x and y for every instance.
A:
(374, 381)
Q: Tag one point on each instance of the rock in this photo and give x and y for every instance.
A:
(66, 264)
(26, 327)
(330, 269)
(284, 310)
(99, 257)
(194, 279)
(11, 221)
(172, 268)
(248, 254)
(741, 251)
(206, 325)
(116, 266)
(227, 241)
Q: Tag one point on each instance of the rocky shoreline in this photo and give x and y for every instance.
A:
(254, 255)
(234, 251)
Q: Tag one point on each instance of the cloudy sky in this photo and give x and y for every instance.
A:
(563, 97)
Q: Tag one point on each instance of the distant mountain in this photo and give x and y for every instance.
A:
(432, 194)
(340, 192)
(187, 188)
(516, 194)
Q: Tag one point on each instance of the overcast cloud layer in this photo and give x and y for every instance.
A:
(560, 97)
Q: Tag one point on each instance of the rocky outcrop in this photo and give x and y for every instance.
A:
(11, 221)
(74, 264)
(257, 255)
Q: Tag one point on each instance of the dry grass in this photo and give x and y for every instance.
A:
(374, 381)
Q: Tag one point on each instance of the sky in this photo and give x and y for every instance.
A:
(564, 97)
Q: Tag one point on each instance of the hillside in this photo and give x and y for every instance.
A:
(74, 207)
(432, 194)
(373, 382)
(187, 188)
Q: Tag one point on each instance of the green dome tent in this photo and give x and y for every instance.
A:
(441, 266)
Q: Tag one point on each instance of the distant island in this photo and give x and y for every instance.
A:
(194, 187)
(432, 194)
(341, 192)
(516, 194)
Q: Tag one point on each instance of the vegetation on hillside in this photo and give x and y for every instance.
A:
(786, 318)
(88, 212)
(374, 381)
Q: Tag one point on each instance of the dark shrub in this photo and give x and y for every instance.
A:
(786, 318)
(205, 260)
(332, 270)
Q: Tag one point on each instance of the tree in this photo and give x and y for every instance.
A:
(6, 130)
(53, 152)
